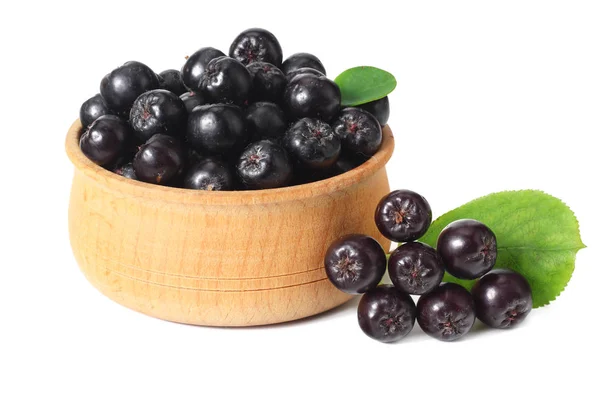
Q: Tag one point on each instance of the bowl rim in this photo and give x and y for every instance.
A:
(128, 187)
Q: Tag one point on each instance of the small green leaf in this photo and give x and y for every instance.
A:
(537, 236)
(361, 85)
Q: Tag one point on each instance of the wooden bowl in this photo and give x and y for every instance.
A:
(218, 258)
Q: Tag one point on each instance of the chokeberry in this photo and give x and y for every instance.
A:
(256, 45)
(312, 96)
(196, 64)
(379, 108)
(265, 120)
(105, 139)
(304, 70)
(158, 111)
(170, 80)
(403, 216)
(346, 163)
(415, 268)
(123, 85)
(160, 160)
(191, 100)
(216, 128)
(92, 109)
(264, 165)
(226, 80)
(312, 143)
(468, 248)
(355, 263)
(386, 314)
(502, 298)
(302, 60)
(126, 171)
(446, 313)
(359, 131)
(209, 174)
(268, 82)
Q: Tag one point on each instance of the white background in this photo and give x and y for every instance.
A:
(491, 96)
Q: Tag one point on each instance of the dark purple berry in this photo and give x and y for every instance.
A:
(254, 45)
(446, 313)
(216, 128)
(158, 111)
(192, 100)
(502, 298)
(126, 171)
(468, 248)
(346, 163)
(386, 314)
(209, 174)
(302, 60)
(268, 82)
(304, 70)
(379, 108)
(123, 85)
(415, 268)
(196, 64)
(160, 160)
(92, 109)
(170, 80)
(312, 96)
(105, 139)
(359, 131)
(312, 144)
(265, 120)
(403, 216)
(226, 80)
(264, 165)
(355, 263)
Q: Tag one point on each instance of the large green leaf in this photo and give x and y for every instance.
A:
(537, 235)
(361, 85)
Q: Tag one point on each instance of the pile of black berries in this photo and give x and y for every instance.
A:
(250, 120)
(466, 249)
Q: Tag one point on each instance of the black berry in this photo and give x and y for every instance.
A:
(105, 139)
(415, 268)
(196, 64)
(301, 60)
(192, 100)
(359, 131)
(256, 45)
(312, 96)
(403, 216)
(226, 80)
(304, 70)
(265, 120)
(468, 248)
(386, 314)
(264, 165)
(216, 128)
(160, 160)
(209, 174)
(126, 171)
(158, 111)
(355, 263)
(312, 143)
(502, 298)
(170, 80)
(123, 85)
(379, 108)
(446, 313)
(92, 109)
(268, 82)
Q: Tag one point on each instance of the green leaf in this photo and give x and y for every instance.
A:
(361, 85)
(537, 236)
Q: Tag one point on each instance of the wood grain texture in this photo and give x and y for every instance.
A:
(218, 258)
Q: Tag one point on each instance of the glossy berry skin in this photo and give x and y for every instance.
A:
(264, 165)
(170, 80)
(268, 82)
(379, 108)
(123, 85)
(192, 100)
(105, 139)
(468, 248)
(216, 128)
(359, 131)
(447, 313)
(126, 171)
(265, 120)
(355, 263)
(196, 64)
(403, 216)
(386, 314)
(502, 298)
(160, 160)
(313, 97)
(226, 80)
(415, 268)
(304, 70)
(209, 174)
(254, 45)
(92, 109)
(301, 60)
(312, 144)
(158, 111)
